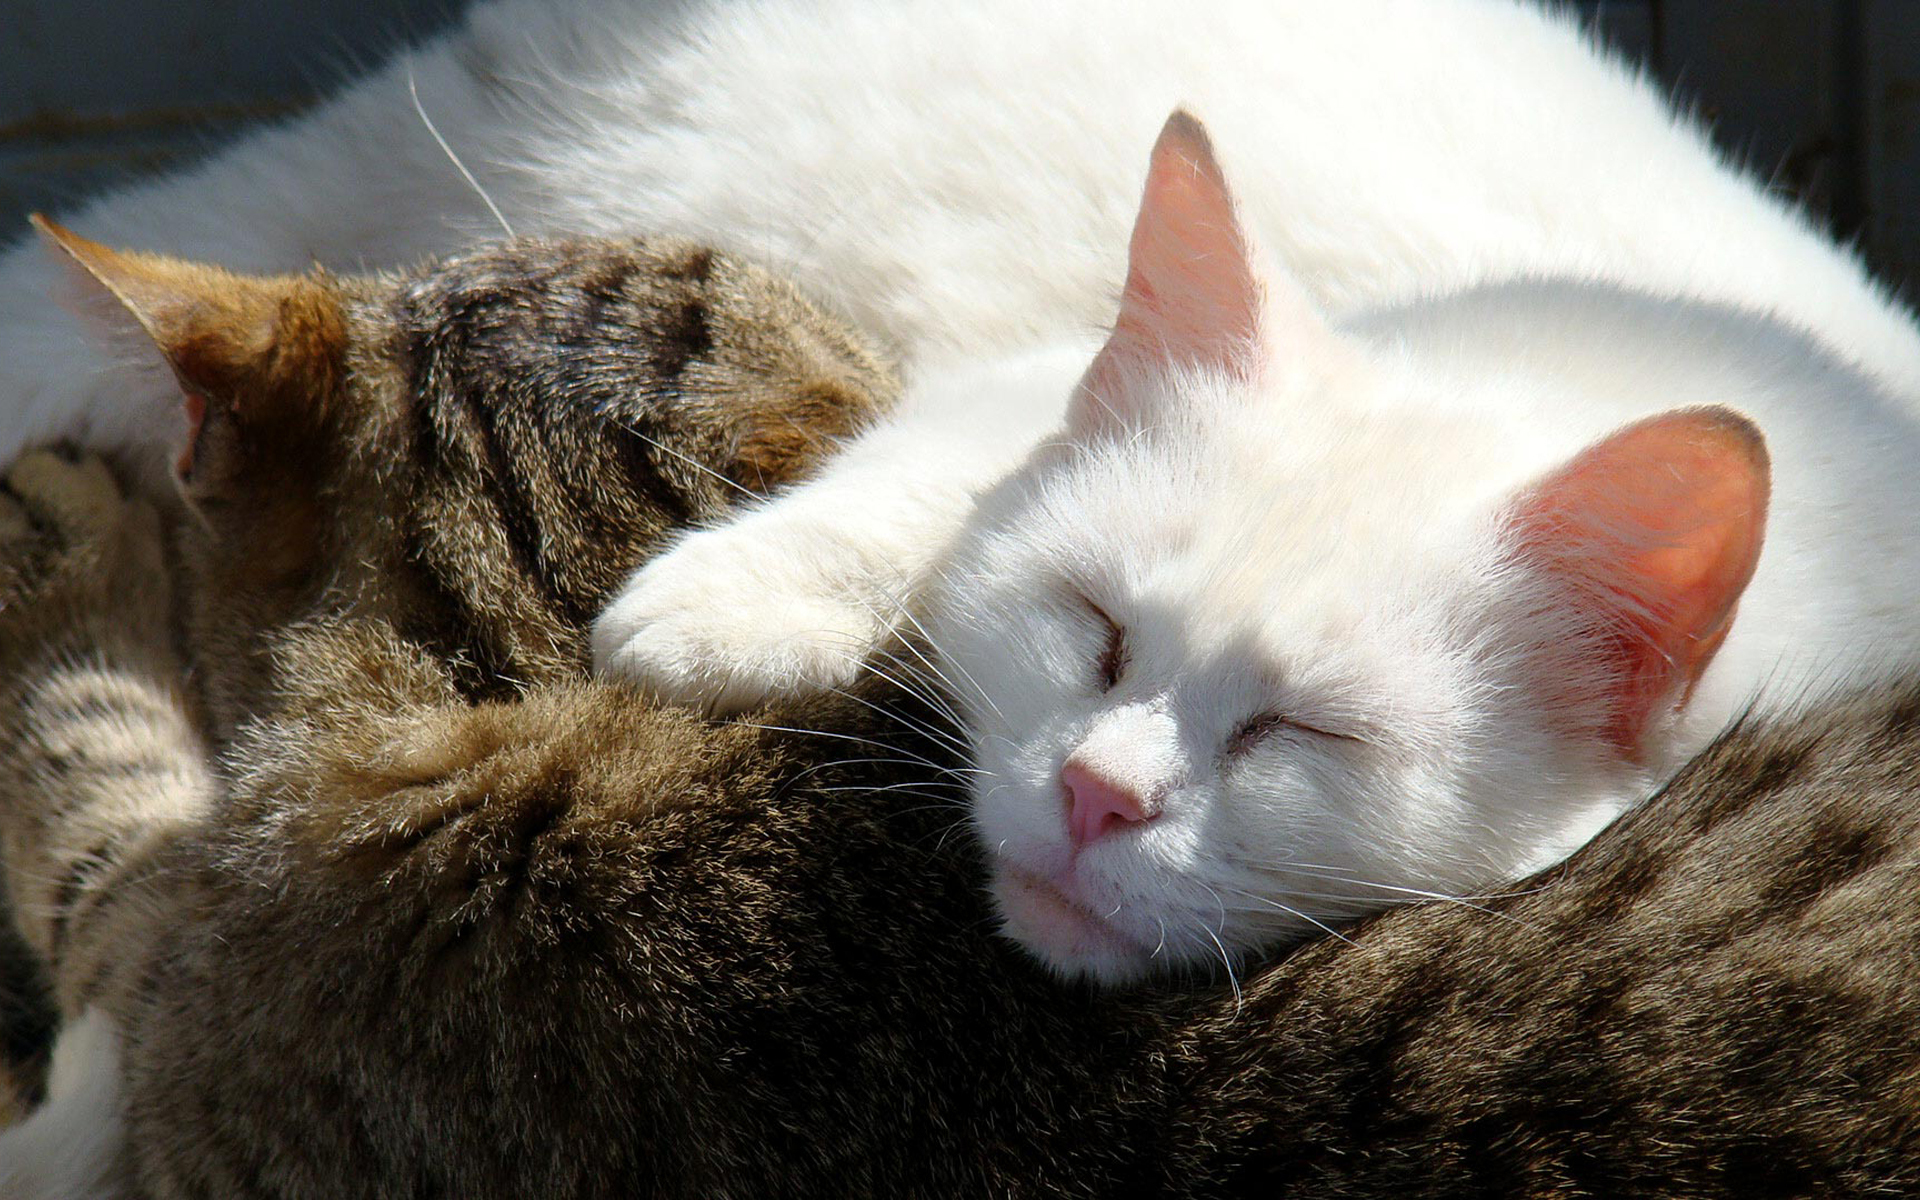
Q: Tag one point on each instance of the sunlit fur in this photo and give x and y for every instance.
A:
(1327, 543)
(959, 179)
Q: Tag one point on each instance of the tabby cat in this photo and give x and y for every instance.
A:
(440, 916)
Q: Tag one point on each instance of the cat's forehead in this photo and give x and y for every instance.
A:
(1241, 506)
(1247, 551)
(532, 297)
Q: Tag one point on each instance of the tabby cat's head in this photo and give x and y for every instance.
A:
(478, 450)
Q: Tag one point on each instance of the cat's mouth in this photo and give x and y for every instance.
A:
(1067, 934)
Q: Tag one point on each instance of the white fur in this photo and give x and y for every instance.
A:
(1328, 547)
(959, 178)
(67, 1148)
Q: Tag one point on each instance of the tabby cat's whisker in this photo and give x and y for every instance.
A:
(413, 89)
(695, 463)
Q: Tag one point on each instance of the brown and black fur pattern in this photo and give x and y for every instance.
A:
(455, 920)
(511, 432)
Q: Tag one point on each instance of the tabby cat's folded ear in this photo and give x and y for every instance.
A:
(261, 353)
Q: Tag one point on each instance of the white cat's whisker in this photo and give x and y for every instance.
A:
(940, 843)
(978, 690)
(904, 789)
(1356, 908)
(844, 762)
(1308, 917)
(942, 834)
(923, 687)
(1139, 435)
(927, 694)
(950, 739)
(1001, 739)
(844, 737)
(955, 781)
(939, 673)
(902, 611)
(1226, 960)
(1309, 866)
(1413, 895)
(924, 681)
(946, 739)
(1092, 393)
(1416, 893)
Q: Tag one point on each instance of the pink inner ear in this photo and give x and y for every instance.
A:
(1193, 295)
(1657, 529)
(1191, 291)
(196, 406)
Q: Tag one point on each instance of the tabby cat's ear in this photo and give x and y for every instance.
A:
(1198, 293)
(263, 353)
(1651, 535)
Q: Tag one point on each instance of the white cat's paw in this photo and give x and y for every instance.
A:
(71, 1145)
(732, 617)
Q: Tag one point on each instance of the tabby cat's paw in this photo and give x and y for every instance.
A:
(731, 618)
(73, 498)
(67, 527)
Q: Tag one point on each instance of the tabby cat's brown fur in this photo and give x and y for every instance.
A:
(453, 920)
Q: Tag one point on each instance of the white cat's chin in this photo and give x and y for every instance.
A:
(1069, 937)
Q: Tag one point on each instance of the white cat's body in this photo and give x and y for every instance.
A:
(960, 180)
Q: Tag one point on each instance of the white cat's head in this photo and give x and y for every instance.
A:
(1250, 650)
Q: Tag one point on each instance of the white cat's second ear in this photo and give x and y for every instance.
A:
(1198, 294)
(1649, 537)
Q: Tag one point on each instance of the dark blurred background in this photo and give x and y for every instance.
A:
(1820, 96)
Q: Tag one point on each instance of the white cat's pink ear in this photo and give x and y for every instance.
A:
(1194, 294)
(1651, 535)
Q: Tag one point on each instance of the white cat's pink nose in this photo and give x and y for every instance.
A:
(1096, 806)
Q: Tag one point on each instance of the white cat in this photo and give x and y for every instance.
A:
(960, 179)
(1293, 620)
